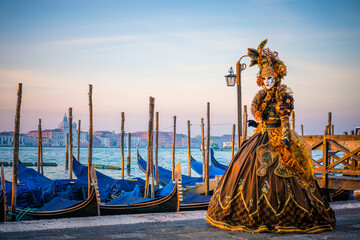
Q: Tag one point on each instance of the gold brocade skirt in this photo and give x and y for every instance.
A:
(259, 193)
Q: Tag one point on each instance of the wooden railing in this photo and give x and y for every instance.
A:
(330, 162)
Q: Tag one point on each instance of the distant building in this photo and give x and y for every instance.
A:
(105, 141)
(218, 142)
(180, 140)
(96, 142)
(64, 126)
(57, 137)
(46, 142)
(7, 139)
(31, 141)
(142, 138)
(227, 145)
(84, 139)
(32, 133)
(196, 142)
(135, 140)
(104, 137)
(165, 139)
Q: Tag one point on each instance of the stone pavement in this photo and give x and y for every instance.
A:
(180, 225)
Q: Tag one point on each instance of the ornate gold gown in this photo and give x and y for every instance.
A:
(269, 186)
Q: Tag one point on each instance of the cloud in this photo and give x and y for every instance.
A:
(91, 41)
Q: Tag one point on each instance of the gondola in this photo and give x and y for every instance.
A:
(3, 206)
(191, 201)
(63, 208)
(213, 171)
(130, 201)
(215, 163)
(132, 205)
(165, 175)
(33, 188)
(107, 185)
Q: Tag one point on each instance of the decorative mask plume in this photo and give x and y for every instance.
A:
(268, 61)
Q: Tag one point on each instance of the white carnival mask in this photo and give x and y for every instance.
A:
(269, 82)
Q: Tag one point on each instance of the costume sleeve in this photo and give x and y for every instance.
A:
(284, 107)
(255, 105)
(285, 126)
(285, 103)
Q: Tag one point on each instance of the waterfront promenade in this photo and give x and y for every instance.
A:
(180, 225)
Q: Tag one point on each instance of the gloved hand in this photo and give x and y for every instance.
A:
(252, 123)
(285, 141)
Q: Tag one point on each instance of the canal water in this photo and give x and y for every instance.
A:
(109, 156)
(106, 156)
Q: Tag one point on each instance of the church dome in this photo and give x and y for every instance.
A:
(64, 124)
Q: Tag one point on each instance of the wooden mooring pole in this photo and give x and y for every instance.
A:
(156, 148)
(329, 124)
(149, 165)
(203, 147)
(39, 143)
(78, 141)
(207, 151)
(152, 152)
(16, 153)
(90, 137)
(122, 144)
(189, 148)
(325, 176)
(128, 159)
(302, 130)
(70, 144)
(39, 157)
(173, 149)
(233, 142)
(67, 152)
(244, 129)
(293, 120)
(239, 103)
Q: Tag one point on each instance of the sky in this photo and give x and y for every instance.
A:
(177, 52)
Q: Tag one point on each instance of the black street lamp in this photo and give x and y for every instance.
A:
(230, 78)
(230, 82)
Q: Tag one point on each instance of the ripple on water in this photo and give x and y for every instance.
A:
(109, 156)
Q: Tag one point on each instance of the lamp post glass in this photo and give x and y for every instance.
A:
(230, 78)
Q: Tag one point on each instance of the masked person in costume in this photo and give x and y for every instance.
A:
(270, 185)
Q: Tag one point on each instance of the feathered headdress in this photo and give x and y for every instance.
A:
(268, 61)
